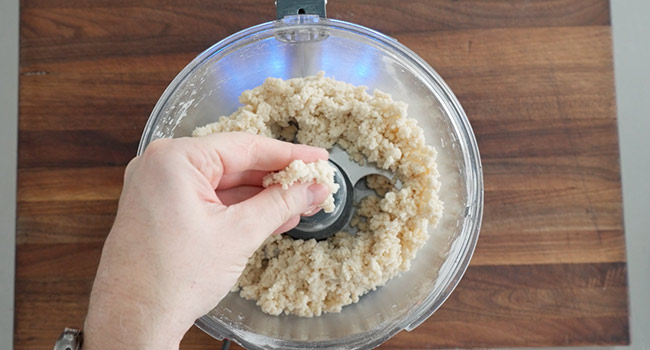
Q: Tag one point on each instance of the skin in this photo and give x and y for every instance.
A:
(191, 213)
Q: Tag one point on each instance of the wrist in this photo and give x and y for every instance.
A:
(121, 322)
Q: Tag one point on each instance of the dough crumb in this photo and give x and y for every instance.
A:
(320, 172)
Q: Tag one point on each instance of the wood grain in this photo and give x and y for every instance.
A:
(569, 299)
(60, 30)
(535, 79)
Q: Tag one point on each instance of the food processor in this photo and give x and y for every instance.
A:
(303, 42)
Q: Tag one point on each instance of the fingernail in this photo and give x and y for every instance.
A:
(316, 194)
(311, 211)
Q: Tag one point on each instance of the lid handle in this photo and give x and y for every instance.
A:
(300, 7)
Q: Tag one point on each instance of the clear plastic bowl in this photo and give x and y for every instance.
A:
(304, 45)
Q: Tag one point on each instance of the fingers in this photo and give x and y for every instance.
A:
(244, 178)
(237, 194)
(311, 211)
(240, 151)
(293, 222)
(273, 207)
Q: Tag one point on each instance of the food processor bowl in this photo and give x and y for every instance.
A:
(302, 45)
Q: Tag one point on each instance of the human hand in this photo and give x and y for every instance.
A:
(191, 213)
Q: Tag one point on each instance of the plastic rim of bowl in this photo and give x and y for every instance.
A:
(474, 187)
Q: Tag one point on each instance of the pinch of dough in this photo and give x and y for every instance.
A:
(320, 172)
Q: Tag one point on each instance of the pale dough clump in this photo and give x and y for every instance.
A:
(320, 172)
(307, 278)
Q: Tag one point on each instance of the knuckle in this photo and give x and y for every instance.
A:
(130, 167)
(159, 158)
(284, 203)
(252, 147)
(157, 148)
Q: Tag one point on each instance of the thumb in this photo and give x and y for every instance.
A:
(272, 207)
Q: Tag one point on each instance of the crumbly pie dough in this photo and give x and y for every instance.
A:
(307, 278)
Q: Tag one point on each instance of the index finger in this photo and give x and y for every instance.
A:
(241, 151)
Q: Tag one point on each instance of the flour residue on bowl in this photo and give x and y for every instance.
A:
(307, 278)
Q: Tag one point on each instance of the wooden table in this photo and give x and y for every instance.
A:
(535, 78)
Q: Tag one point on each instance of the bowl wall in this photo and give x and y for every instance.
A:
(298, 46)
